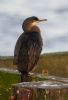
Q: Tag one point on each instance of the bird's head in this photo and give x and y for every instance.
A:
(30, 22)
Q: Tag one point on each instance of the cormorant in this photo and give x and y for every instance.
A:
(28, 47)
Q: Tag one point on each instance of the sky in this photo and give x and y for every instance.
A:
(54, 32)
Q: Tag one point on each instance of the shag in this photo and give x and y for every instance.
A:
(28, 47)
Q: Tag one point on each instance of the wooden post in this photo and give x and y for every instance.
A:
(41, 90)
(52, 88)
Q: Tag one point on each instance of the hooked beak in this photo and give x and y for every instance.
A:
(42, 20)
(35, 23)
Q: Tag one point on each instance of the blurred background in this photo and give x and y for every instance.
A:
(54, 32)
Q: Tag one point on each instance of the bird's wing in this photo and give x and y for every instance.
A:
(17, 49)
(33, 54)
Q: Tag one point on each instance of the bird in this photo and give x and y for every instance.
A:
(28, 47)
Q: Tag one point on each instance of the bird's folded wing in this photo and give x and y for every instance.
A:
(33, 55)
(17, 48)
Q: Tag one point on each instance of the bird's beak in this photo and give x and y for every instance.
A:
(42, 20)
(34, 23)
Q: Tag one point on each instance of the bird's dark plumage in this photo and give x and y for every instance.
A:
(28, 47)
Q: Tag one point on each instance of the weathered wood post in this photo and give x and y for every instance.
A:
(52, 88)
(42, 90)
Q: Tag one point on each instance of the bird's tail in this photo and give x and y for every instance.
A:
(24, 77)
